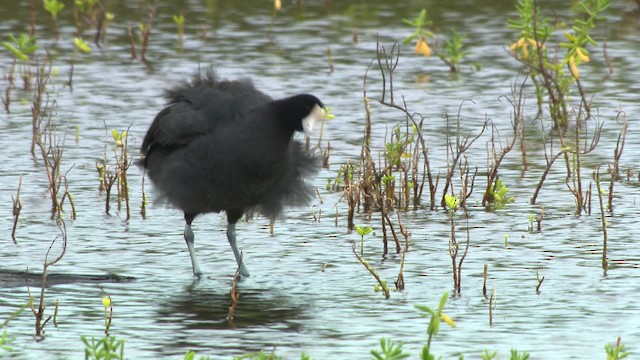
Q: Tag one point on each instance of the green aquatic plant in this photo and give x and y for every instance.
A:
(86, 7)
(108, 314)
(179, 21)
(191, 355)
(451, 53)
(382, 284)
(363, 231)
(616, 352)
(108, 177)
(544, 66)
(81, 45)
(518, 356)
(119, 137)
(106, 348)
(532, 218)
(21, 47)
(437, 315)
(390, 350)
(53, 7)
(452, 202)
(5, 342)
(344, 172)
(261, 355)
(497, 197)
(486, 355)
(420, 33)
(396, 148)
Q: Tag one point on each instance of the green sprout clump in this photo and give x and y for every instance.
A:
(21, 47)
(119, 136)
(53, 7)
(81, 45)
(498, 196)
(452, 202)
(363, 231)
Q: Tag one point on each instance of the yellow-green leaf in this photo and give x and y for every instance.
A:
(81, 45)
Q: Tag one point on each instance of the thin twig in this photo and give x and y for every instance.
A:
(372, 271)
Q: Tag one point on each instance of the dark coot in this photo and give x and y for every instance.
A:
(223, 145)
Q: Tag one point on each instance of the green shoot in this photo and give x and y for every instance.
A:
(107, 348)
(5, 340)
(434, 324)
(21, 47)
(616, 352)
(337, 183)
(53, 7)
(419, 23)
(498, 196)
(362, 231)
(81, 45)
(516, 356)
(390, 351)
(191, 355)
(452, 202)
(179, 21)
(258, 356)
(119, 137)
(452, 51)
(486, 355)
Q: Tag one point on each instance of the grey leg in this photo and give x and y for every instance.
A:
(190, 239)
(231, 235)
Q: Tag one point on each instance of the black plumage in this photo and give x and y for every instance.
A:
(223, 145)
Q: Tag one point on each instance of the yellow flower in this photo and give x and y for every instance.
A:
(581, 55)
(447, 319)
(517, 44)
(422, 47)
(277, 4)
(106, 302)
(574, 68)
(523, 44)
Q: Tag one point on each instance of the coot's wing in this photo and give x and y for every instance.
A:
(190, 117)
(196, 109)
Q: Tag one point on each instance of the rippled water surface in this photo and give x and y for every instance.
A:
(308, 293)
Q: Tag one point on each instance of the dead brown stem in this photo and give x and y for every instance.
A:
(617, 153)
(39, 313)
(605, 263)
(484, 284)
(17, 207)
(146, 30)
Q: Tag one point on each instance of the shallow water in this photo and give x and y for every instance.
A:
(289, 304)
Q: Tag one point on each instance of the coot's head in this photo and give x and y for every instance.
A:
(302, 111)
